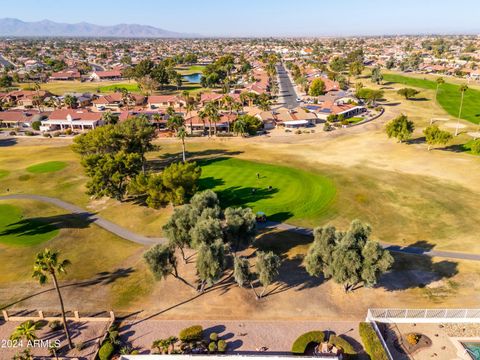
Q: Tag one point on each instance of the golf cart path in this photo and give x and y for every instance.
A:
(143, 240)
(105, 224)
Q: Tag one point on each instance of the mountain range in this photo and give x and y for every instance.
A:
(47, 28)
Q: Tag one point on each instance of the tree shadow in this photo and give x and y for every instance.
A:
(392, 104)
(104, 278)
(292, 273)
(46, 224)
(8, 142)
(413, 269)
(418, 99)
(456, 148)
(198, 156)
(419, 140)
(239, 196)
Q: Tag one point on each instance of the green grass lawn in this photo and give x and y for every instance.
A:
(194, 69)
(355, 120)
(15, 230)
(295, 194)
(46, 167)
(132, 87)
(3, 173)
(448, 96)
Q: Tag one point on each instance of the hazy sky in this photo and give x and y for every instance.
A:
(263, 17)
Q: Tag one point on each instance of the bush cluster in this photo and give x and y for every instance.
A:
(371, 342)
(300, 345)
(192, 333)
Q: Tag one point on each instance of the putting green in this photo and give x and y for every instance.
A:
(294, 193)
(3, 173)
(15, 230)
(46, 167)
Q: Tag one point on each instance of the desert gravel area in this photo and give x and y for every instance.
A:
(88, 333)
(243, 337)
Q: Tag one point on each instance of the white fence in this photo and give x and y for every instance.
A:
(39, 315)
(424, 315)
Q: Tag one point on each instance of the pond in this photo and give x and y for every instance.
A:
(193, 78)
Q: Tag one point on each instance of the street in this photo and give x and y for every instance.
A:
(287, 94)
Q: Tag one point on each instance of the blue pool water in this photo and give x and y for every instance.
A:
(193, 78)
(473, 349)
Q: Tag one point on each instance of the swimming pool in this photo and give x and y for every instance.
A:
(473, 349)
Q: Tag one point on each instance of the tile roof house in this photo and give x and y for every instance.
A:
(72, 119)
(18, 118)
(115, 101)
(106, 75)
(72, 74)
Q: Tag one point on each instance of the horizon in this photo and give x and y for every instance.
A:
(268, 19)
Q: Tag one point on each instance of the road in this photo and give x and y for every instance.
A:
(287, 94)
(4, 62)
(143, 240)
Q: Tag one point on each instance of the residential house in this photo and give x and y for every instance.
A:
(106, 75)
(74, 119)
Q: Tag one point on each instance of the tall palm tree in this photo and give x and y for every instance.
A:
(462, 89)
(47, 263)
(439, 81)
(202, 114)
(127, 97)
(25, 330)
(177, 124)
(211, 109)
(191, 105)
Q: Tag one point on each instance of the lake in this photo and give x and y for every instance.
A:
(193, 78)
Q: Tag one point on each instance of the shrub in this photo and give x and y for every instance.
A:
(222, 346)
(342, 343)
(298, 132)
(413, 338)
(36, 125)
(55, 325)
(47, 135)
(29, 133)
(57, 134)
(475, 147)
(69, 131)
(214, 336)
(300, 345)
(371, 342)
(80, 346)
(192, 333)
(12, 133)
(212, 347)
(106, 351)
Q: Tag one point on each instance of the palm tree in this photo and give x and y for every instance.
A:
(229, 103)
(202, 114)
(191, 105)
(213, 116)
(126, 98)
(240, 127)
(439, 81)
(47, 263)
(25, 330)
(177, 124)
(462, 89)
(38, 100)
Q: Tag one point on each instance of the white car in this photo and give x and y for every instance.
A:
(299, 100)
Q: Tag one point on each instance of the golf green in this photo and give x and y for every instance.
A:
(279, 191)
(15, 230)
(448, 97)
(46, 167)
